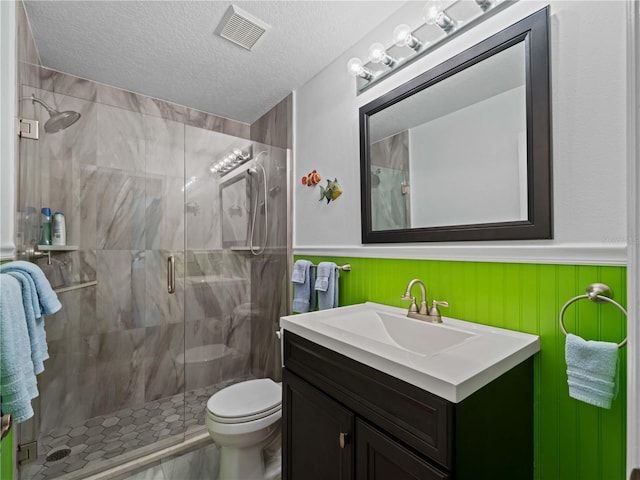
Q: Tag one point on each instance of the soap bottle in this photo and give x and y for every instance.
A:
(45, 226)
(59, 236)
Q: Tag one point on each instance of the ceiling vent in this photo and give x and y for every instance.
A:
(241, 27)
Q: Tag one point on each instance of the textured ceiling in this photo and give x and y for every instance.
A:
(167, 49)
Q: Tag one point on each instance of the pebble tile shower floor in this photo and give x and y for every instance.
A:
(105, 437)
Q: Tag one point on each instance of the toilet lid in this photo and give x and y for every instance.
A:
(246, 399)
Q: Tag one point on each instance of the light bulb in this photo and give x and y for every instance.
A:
(377, 52)
(432, 9)
(402, 35)
(355, 66)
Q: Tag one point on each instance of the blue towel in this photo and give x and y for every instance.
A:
(300, 271)
(35, 321)
(591, 370)
(304, 295)
(17, 380)
(327, 285)
(47, 297)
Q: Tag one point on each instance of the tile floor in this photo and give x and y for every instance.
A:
(105, 437)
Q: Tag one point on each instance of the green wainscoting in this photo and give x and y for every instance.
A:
(6, 457)
(6, 446)
(573, 440)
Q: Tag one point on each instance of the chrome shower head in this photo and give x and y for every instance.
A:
(60, 121)
(57, 120)
(252, 170)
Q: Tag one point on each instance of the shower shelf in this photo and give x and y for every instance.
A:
(57, 248)
(47, 249)
(34, 251)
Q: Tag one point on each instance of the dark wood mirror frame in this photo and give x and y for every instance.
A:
(533, 31)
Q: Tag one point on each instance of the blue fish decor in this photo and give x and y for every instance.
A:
(332, 191)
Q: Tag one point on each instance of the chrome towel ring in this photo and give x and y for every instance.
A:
(597, 293)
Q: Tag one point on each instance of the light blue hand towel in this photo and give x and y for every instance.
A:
(304, 295)
(47, 297)
(17, 380)
(35, 324)
(327, 285)
(591, 370)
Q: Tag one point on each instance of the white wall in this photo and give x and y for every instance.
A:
(7, 127)
(489, 191)
(588, 85)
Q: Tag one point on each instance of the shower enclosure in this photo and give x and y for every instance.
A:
(131, 365)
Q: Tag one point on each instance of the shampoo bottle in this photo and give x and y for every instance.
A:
(59, 230)
(45, 226)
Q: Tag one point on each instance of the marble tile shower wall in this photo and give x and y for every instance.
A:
(119, 178)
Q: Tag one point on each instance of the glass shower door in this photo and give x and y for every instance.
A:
(113, 387)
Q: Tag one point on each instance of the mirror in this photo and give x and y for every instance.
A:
(235, 211)
(462, 152)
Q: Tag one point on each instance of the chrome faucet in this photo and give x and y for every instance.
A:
(432, 315)
(423, 301)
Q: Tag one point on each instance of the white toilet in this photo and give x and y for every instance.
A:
(243, 419)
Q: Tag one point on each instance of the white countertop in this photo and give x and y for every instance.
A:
(452, 359)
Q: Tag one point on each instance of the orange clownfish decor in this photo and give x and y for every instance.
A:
(312, 179)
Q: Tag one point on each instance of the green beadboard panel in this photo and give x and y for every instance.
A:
(6, 445)
(573, 440)
(6, 457)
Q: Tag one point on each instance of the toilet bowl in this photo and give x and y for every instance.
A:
(243, 419)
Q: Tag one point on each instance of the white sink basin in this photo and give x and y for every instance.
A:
(411, 335)
(452, 359)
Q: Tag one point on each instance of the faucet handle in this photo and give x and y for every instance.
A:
(413, 308)
(434, 312)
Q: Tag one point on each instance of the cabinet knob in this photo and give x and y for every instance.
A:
(344, 439)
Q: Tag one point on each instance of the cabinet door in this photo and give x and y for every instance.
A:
(379, 457)
(317, 434)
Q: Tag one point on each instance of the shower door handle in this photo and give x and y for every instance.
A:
(171, 274)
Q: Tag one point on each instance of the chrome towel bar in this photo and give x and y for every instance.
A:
(597, 293)
(345, 268)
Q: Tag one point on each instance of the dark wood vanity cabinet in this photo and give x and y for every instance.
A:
(343, 420)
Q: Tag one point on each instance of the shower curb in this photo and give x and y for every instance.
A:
(122, 470)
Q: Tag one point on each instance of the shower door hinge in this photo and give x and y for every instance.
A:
(28, 128)
(27, 453)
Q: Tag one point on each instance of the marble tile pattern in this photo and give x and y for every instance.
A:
(198, 464)
(121, 175)
(275, 127)
(95, 440)
(392, 152)
(389, 170)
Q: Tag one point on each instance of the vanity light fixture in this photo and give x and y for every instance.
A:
(378, 54)
(450, 16)
(403, 37)
(356, 67)
(230, 161)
